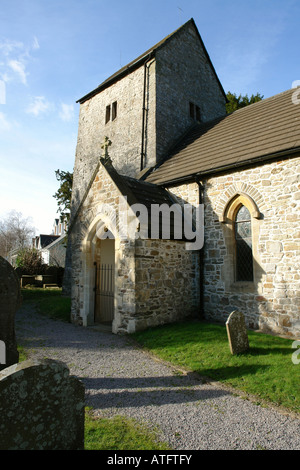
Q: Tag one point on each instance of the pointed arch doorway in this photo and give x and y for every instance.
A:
(104, 281)
(97, 279)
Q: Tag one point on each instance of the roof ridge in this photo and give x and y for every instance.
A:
(148, 53)
(135, 61)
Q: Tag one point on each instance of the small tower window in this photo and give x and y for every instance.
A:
(243, 245)
(192, 110)
(114, 111)
(111, 112)
(195, 112)
(107, 114)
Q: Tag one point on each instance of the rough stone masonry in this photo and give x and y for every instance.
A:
(41, 407)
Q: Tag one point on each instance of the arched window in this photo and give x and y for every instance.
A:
(241, 220)
(243, 245)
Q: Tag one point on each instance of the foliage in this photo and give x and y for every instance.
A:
(119, 433)
(49, 302)
(64, 193)
(236, 102)
(266, 370)
(30, 261)
(16, 232)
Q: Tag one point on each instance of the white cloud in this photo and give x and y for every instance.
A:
(5, 125)
(16, 59)
(8, 46)
(5, 77)
(39, 106)
(67, 112)
(19, 68)
(2, 92)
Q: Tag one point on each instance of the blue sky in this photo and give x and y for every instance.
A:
(53, 52)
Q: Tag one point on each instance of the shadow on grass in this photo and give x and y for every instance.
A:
(202, 333)
(231, 372)
(257, 351)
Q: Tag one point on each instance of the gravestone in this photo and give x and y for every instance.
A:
(237, 333)
(41, 407)
(10, 301)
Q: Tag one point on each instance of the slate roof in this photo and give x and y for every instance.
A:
(141, 192)
(47, 239)
(141, 59)
(263, 130)
(147, 193)
(137, 191)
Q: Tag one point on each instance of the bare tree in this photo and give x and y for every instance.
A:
(16, 232)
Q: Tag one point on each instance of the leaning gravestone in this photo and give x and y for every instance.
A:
(41, 407)
(237, 333)
(10, 301)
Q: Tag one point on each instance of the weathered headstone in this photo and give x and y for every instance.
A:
(10, 301)
(237, 333)
(41, 407)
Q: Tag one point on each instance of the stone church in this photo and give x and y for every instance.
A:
(156, 135)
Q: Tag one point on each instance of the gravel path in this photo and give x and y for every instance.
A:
(121, 379)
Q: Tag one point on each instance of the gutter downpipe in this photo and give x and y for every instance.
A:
(201, 254)
(144, 112)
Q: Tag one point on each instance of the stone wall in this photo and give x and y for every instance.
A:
(98, 208)
(187, 193)
(156, 281)
(57, 253)
(184, 75)
(41, 407)
(125, 132)
(272, 301)
(179, 74)
(167, 282)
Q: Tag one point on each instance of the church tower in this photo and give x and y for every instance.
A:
(146, 106)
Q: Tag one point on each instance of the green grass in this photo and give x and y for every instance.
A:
(266, 370)
(48, 302)
(119, 433)
(22, 353)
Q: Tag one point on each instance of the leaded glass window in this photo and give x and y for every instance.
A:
(243, 242)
